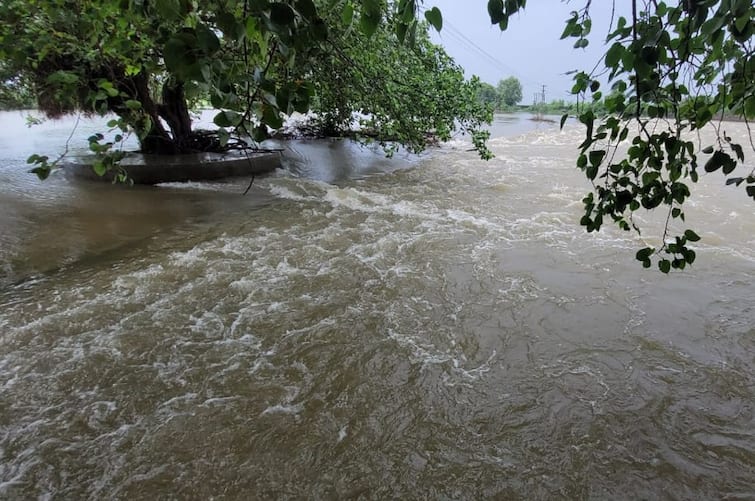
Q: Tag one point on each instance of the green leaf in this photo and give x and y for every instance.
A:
(270, 99)
(741, 23)
(691, 236)
(99, 167)
(406, 11)
(495, 11)
(564, 118)
(591, 172)
(749, 106)
(737, 149)
(572, 28)
(596, 157)
(581, 43)
(41, 172)
(319, 30)
(401, 30)
(272, 118)
(223, 137)
(690, 256)
(259, 133)
(664, 265)
(613, 56)
(435, 18)
(227, 119)
(715, 162)
(627, 60)
(644, 254)
(107, 86)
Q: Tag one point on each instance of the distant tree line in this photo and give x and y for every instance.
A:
(503, 97)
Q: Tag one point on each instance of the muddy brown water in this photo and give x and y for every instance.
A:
(432, 327)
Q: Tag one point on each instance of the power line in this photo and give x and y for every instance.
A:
(471, 46)
(476, 48)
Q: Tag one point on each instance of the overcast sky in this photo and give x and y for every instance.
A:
(529, 49)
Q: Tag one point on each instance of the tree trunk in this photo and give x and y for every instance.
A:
(175, 112)
(156, 140)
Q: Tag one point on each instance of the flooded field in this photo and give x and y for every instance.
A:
(425, 327)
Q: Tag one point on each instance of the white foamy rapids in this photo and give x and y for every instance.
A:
(353, 199)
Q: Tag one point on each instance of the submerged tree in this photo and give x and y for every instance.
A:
(145, 62)
(254, 60)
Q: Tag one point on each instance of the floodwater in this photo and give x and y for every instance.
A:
(425, 327)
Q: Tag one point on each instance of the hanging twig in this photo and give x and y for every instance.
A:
(251, 182)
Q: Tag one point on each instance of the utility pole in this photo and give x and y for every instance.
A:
(541, 108)
(538, 103)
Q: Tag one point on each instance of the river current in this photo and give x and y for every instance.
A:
(424, 327)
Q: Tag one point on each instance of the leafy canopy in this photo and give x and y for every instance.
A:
(407, 93)
(253, 60)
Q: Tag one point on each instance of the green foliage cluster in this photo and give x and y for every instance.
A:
(504, 97)
(672, 69)
(405, 93)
